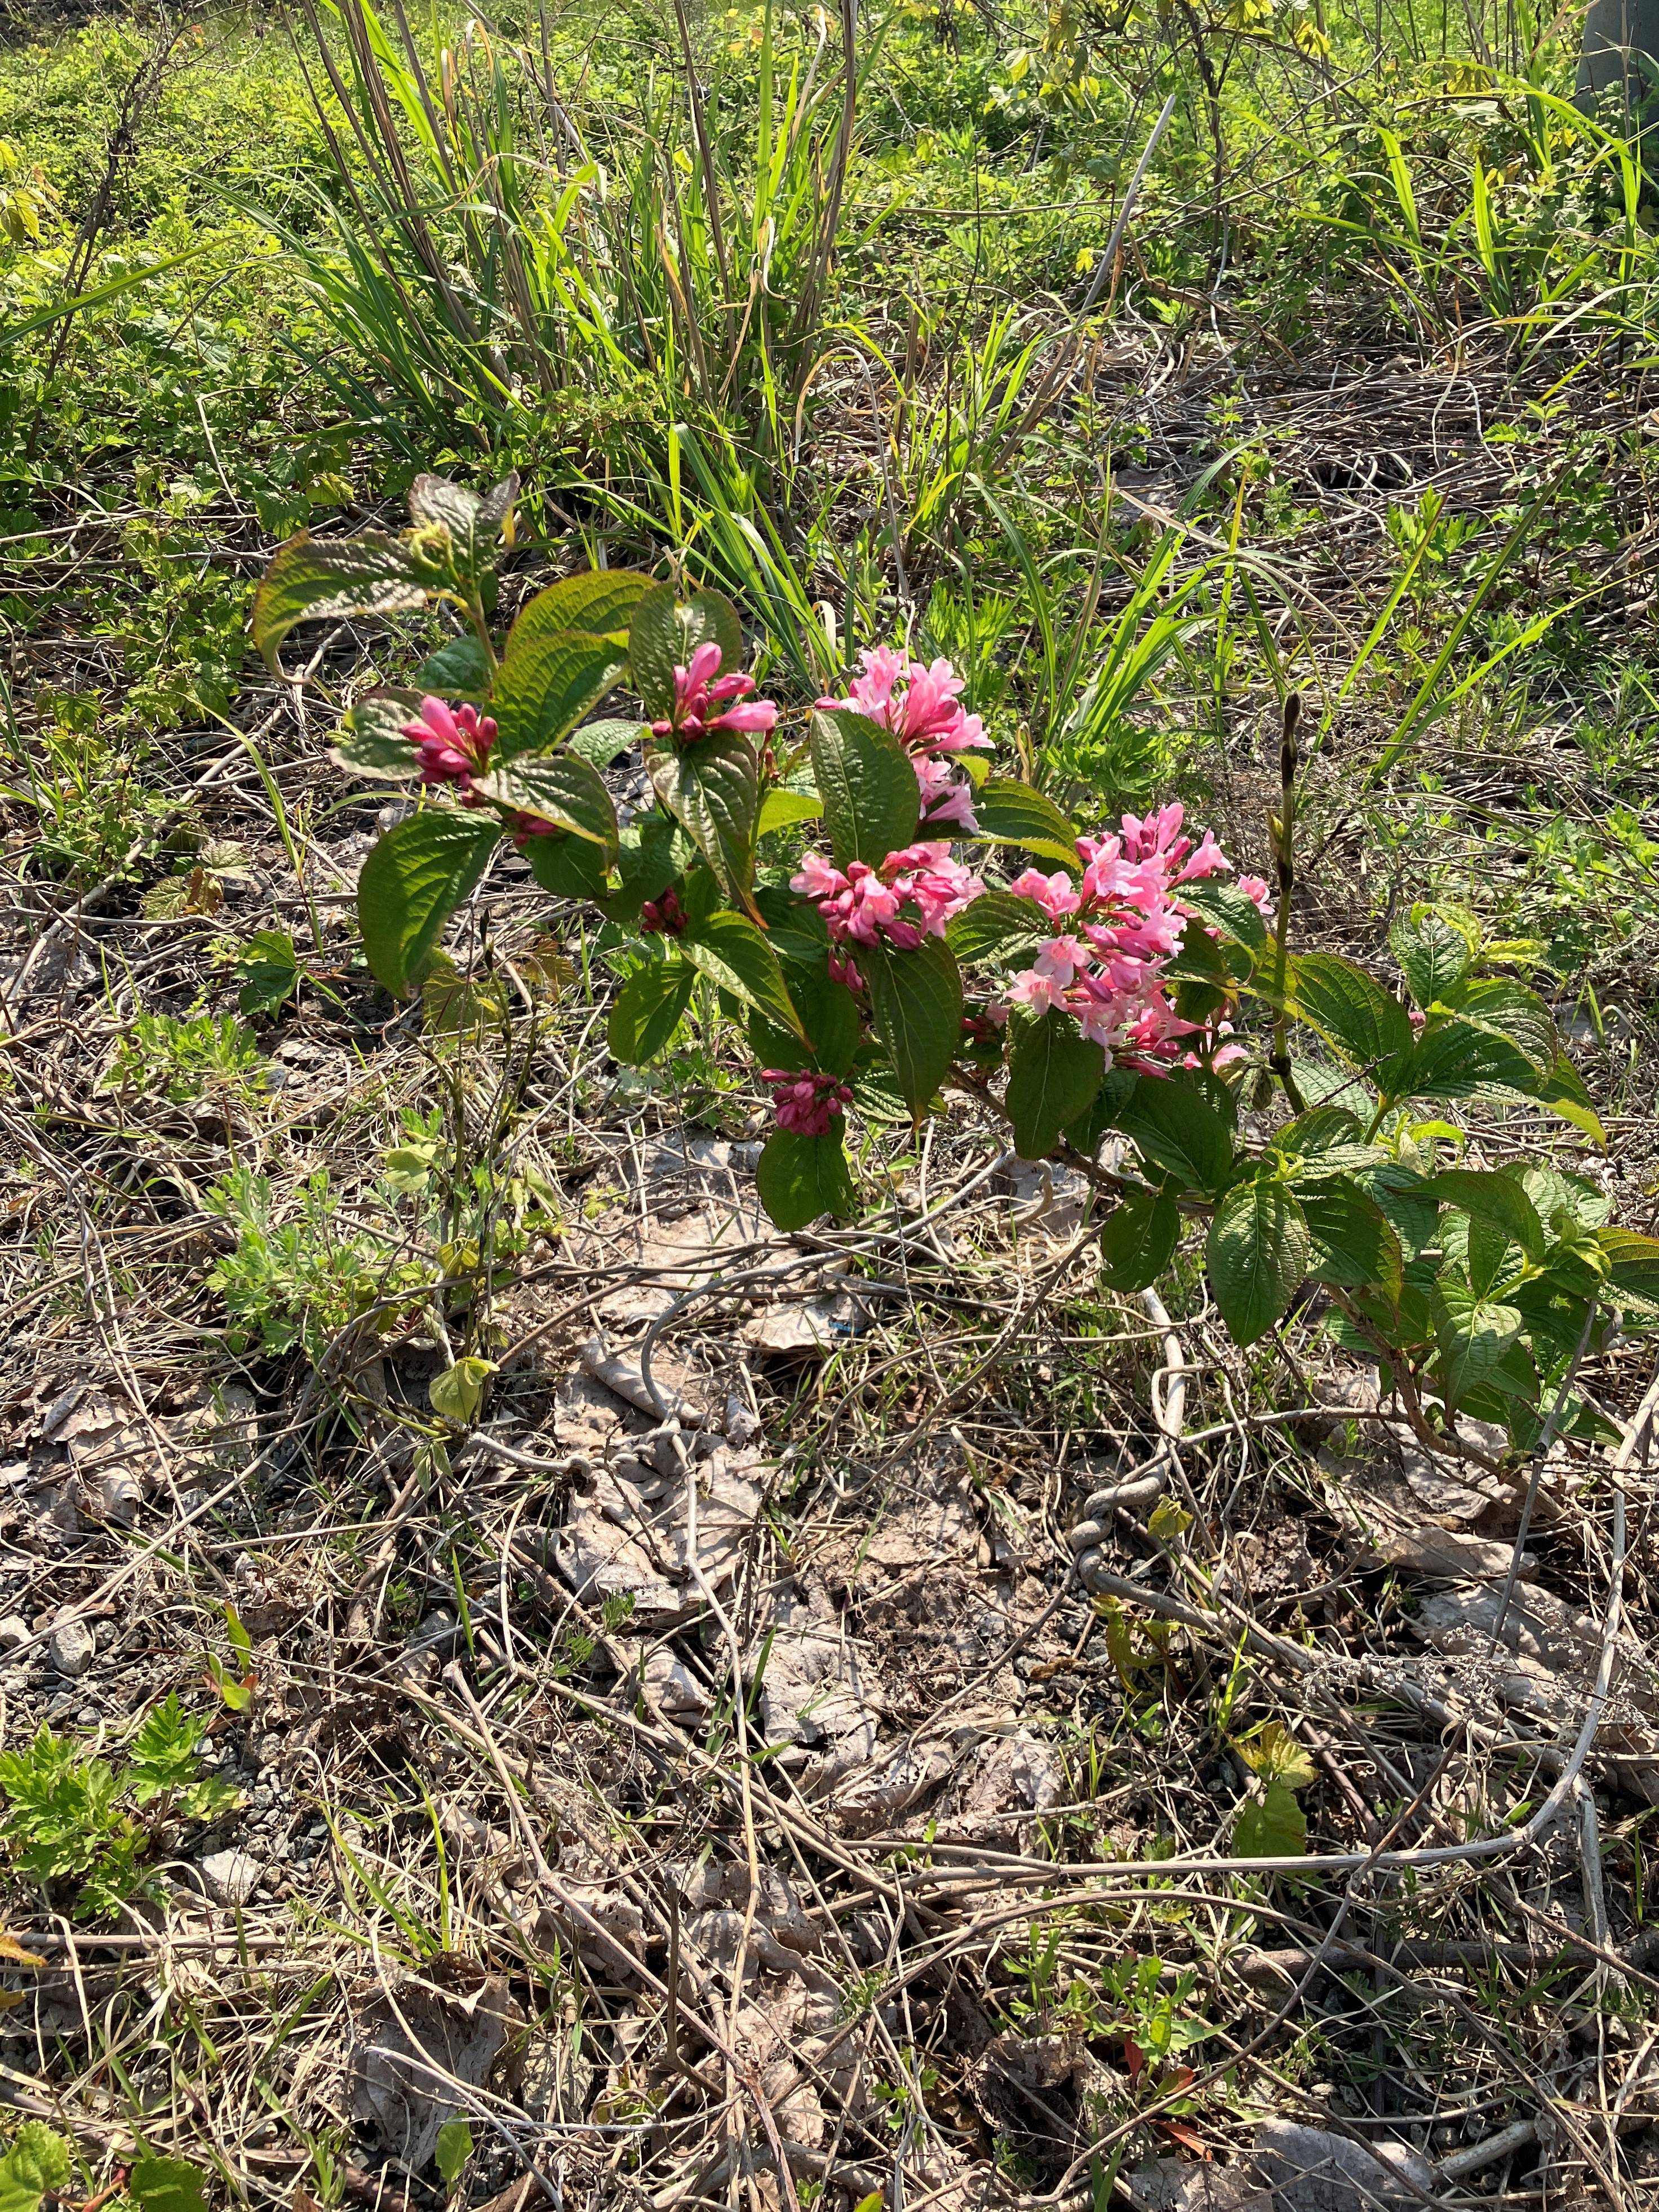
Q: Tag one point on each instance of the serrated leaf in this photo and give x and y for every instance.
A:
(542, 693)
(1497, 1198)
(1562, 1091)
(867, 783)
(1275, 1829)
(1456, 1060)
(1404, 1198)
(712, 788)
(780, 808)
(1257, 1255)
(558, 788)
(1225, 908)
(647, 1009)
(602, 743)
(269, 966)
(37, 2165)
(570, 867)
(1633, 1267)
(1010, 813)
(1351, 1240)
(417, 874)
(1175, 1129)
(1509, 1010)
(998, 926)
(600, 602)
(801, 1177)
(1137, 1241)
(474, 520)
(312, 580)
(372, 741)
(1054, 1072)
(166, 2185)
(1347, 1007)
(916, 998)
(663, 634)
(1433, 956)
(1473, 1334)
(457, 670)
(1276, 1755)
(735, 955)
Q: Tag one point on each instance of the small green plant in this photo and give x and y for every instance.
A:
(39, 2166)
(294, 1282)
(234, 1687)
(94, 811)
(185, 1057)
(72, 1820)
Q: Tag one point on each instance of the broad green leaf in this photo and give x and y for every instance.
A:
(917, 1000)
(458, 1392)
(1276, 1755)
(647, 1009)
(454, 2147)
(543, 693)
(372, 741)
(1277, 1828)
(734, 954)
(412, 882)
(570, 867)
(268, 967)
(37, 2165)
(663, 634)
(558, 788)
(830, 1016)
(1455, 1060)
(457, 670)
(868, 784)
(800, 1177)
(600, 602)
(166, 2185)
(1137, 1241)
(1347, 1007)
(1433, 956)
(998, 926)
(1562, 1090)
(1633, 1267)
(1325, 1141)
(1225, 908)
(1499, 1199)
(1510, 1010)
(713, 787)
(312, 580)
(1010, 813)
(1257, 1255)
(1054, 1072)
(601, 743)
(652, 853)
(1403, 1197)
(1351, 1239)
(876, 1093)
(474, 520)
(1203, 978)
(1105, 1110)
(1473, 1334)
(1175, 1129)
(780, 808)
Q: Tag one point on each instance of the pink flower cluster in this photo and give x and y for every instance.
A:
(699, 689)
(1121, 923)
(806, 1103)
(912, 895)
(922, 706)
(663, 917)
(452, 743)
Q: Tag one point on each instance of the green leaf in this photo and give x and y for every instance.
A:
(876, 1093)
(412, 882)
(570, 867)
(1010, 813)
(1175, 1129)
(868, 784)
(1054, 1072)
(1137, 1241)
(1324, 1142)
(1510, 1010)
(1499, 1199)
(36, 2165)
(1277, 1828)
(601, 602)
(780, 808)
(458, 1392)
(1347, 1007)
(1225, 908)
(1562, 1090)
(474, 520)
(801, 1177)
(322, 580)
(1103, 1114)
(1405, 1199)
(1633, 1267)
(663, 634)
(268, 966)
(652, 852)
(558, 788)
(830, 1016)
(457, 670)
(1455, 1060)
(601, 743)
(1257, 1255)
(647, 1009)
(713, 787)
(373, 742)
(1473, 1334)
(162, 1754)
(1433, 956)
(166, 2185)
(916, 998)
(543, 693)
(454, 2147)
(733, 953)
(1275, 1754)
(1351, 1239)
(998, 926)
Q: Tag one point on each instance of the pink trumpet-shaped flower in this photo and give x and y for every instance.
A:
(921, 705)
(452, 743)
(699, 689)
(805, 1103)
(912, 895)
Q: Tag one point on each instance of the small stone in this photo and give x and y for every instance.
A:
(231, 1876)
(71, 1648)
(14, 1631)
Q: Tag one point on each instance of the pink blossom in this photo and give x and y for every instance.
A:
(920, 704)
(1255, 889)
(806, 1103)
(698, 688)
(866, 905)
(945, 798)
(663, 917)
(1057, 895)
(452, 743)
